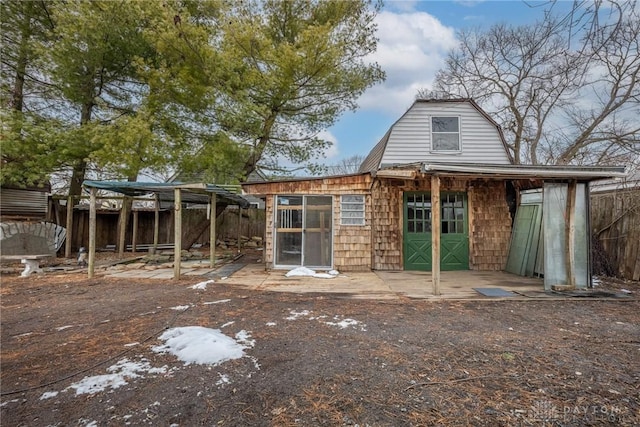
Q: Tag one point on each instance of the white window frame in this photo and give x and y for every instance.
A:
(344, 207)
(459, 133)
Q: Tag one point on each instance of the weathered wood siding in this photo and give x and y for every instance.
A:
(387, 223)
(615, 223)
(410, 138)
(351, 243)
(488, 215)
(489, 225)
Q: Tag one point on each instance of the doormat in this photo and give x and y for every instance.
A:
(494, 292)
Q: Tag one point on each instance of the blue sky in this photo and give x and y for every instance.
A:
(414, 38)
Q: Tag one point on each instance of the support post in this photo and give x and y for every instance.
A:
(156, 224)
(134, 236)
(177, 235)
(239, 226)
(570, 233)
(435, 234)
(122, 229)
(92, 231)
(212, 230)
(69, 238)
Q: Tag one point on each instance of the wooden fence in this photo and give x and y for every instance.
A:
(252, 224)
(615, 222)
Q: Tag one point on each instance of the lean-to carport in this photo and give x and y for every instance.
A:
(178, 193)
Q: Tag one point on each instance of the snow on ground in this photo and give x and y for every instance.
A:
(202, 285)
(338, 321)
(118, 375)
(216, 302)
(199, 345)
(297, 314)
(180, 307)
(307, 272)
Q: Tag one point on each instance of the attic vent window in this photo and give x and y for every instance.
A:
(445, 133)
(352, 210)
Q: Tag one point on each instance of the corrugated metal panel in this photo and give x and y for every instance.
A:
(555, 268)
(410, 138)
(14, 202)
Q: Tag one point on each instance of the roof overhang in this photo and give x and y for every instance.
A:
(580, 173)
(191, 192)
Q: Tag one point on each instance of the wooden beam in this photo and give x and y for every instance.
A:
(435, 234)
(177, 235)
(239, 223)
(122, 229)
(156, 223)
(212, 230)
(69, 238)
(92, 232)
(134, 236)
(570, 233)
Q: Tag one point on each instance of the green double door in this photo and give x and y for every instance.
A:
(454, 237)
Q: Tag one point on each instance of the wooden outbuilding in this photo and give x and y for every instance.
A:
(438, 192)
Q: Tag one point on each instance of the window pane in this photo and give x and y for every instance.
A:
(352, 209)
(352, 199)
(446, 141)
(444, 124)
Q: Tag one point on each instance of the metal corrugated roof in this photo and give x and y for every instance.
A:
(191, 192)
(581, 173)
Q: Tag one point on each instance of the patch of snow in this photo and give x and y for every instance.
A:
(296, 314)
(180, 307)
(202, 285)
(243, 337)
(271, 323)
(227, 324)
(324, 276)
(307, 272)
(199, 345)
(345, 323)
(131, 344)
(216, 302)
(9, 401)
(118, 376)
(300, 271)
(223, 380)
(62, 328)
(48, 395)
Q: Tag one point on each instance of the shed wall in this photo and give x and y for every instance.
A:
(488, 213)
(351, 244)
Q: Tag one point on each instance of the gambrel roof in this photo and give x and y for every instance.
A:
(373, 161)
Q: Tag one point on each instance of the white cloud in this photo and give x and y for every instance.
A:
(411, 49)
(332, 151)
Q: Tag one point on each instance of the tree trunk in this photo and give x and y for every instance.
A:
(80, 167)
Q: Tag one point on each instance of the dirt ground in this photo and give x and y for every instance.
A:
(389, 363)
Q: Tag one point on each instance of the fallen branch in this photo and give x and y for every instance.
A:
(454, 381)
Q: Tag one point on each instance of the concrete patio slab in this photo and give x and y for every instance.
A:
(361, 285)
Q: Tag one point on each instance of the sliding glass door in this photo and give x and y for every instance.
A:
(304, 232)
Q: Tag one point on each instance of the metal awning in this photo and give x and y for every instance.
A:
(191, 192)
(580, 173)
